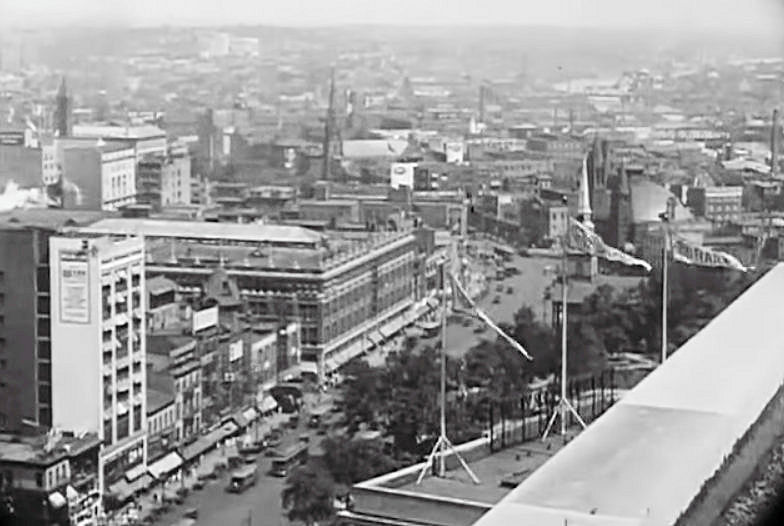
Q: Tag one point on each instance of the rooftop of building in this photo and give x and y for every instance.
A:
(697, 405)
(49, 218)
(162, 343)
(116, 131)
(649, 199)
(44, 450)
(512, 464)
(160, 391)
(225, 232)
(160, 285)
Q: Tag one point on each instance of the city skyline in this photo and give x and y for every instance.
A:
(757, 17)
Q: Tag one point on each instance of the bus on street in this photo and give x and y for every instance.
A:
(293, 456)
(242, 478)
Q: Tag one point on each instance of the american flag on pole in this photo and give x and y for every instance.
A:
(582, 239)
(461, 298)
(691, 254)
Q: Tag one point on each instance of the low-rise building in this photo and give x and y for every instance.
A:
(50, 479)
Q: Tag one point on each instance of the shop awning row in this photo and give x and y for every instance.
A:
(391, 328)
(162, 467)
(125, 490)
(135, 472)
(207, 441)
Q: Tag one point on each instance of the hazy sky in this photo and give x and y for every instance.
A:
(763, 16)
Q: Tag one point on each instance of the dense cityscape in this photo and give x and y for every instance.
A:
(375, 275)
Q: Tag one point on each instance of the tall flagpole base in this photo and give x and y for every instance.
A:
(439, 449)
(561, 409)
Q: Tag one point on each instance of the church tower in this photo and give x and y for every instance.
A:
(62, 118)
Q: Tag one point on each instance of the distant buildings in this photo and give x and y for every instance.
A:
(99, 177)
(164, 180)
(721, 204)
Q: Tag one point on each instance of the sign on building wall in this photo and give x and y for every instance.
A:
(401, 174)
(235, 351)
(204, 319)
(454, 152)
(74, 288)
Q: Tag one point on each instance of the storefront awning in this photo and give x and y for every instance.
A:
(308, 367)
(268, 403)
(375, 338)
(331, 365)
(239, 419)
(135, 472)
(57, 500)
(208, 441)
(164, 466)
(250, 414)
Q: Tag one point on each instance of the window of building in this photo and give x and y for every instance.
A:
(44, 372)
(44, 394)
(45, 416)
(39, 479)
(42, 278)
(44, 350)
(44, 327)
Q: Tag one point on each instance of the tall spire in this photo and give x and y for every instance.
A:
(584, 198)
(329, 125)
(62, 111)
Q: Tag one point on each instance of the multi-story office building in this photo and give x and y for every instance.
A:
(164, 180)
(98, 337)
(339, 286)
(25, 339)
(99, 177)
(144, 140)
(721, 204)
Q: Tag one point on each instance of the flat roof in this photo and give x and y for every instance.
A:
(49, 218)
(250, 233)
(647, 458)
(490, 470)
(19, 449)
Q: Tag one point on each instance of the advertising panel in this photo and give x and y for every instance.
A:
(235, 351)
(74, 288)
(401, 174)
(204, 319)
(454, 152)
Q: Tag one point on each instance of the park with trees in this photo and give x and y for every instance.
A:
(400, 400)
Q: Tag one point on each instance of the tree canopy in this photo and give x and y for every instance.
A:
(308, 495)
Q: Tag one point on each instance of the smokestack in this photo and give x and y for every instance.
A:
(774, 146)
(482, 103)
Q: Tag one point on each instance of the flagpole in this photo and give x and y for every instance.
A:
(564, 310)
(665, 286)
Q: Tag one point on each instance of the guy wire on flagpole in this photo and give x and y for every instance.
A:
(443, 443)
(564, 406)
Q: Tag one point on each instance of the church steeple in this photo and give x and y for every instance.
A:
(584, 211)
(62, 119)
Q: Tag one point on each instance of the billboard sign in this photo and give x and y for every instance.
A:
(235, 351)
(454, 152)
(205, 319)
(74, 288)
(401, 174)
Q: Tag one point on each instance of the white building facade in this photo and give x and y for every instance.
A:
(99, 347)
